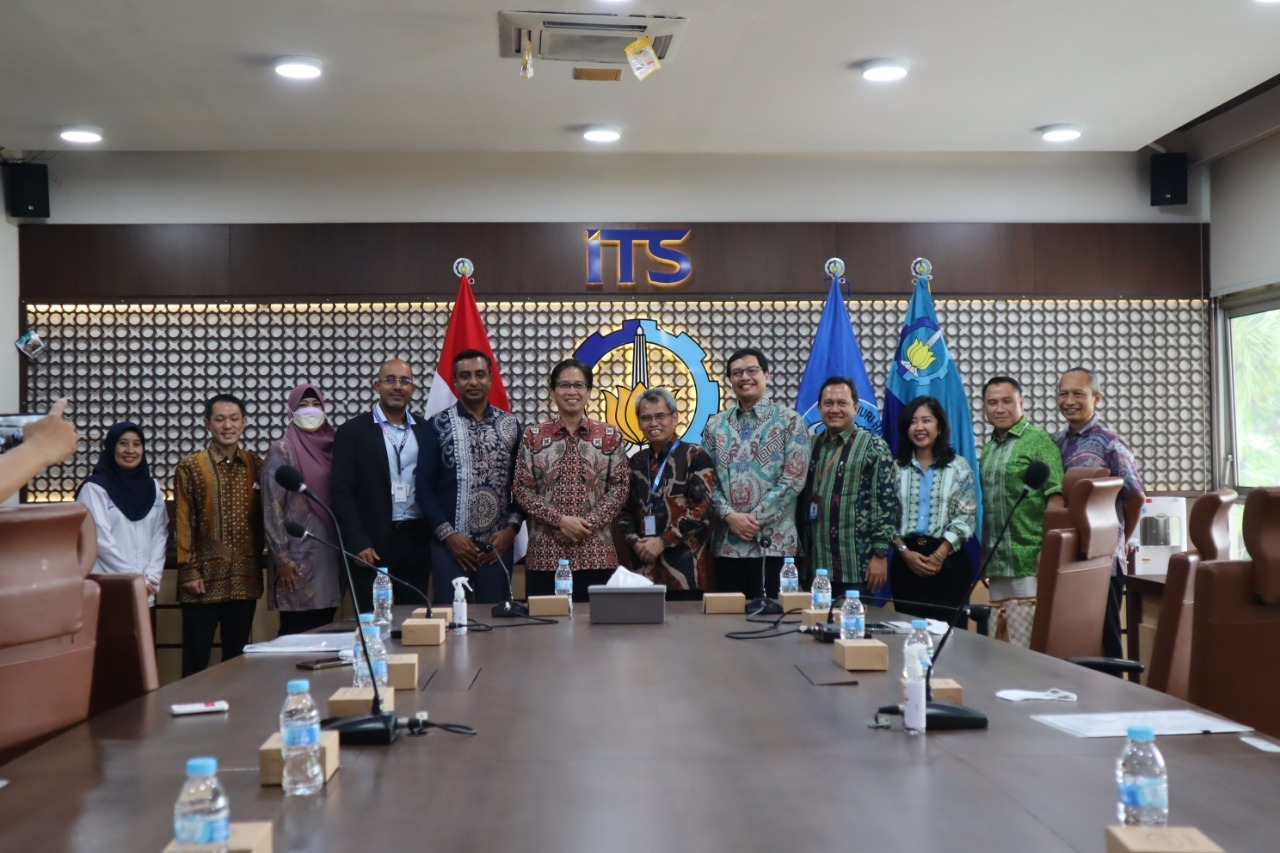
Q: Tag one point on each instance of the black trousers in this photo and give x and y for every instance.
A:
(301, 621)
(934, 597)
(407, 555)
(742, 574)
(1112, 646)
(201, 621)
(490, 581)
(544, 583)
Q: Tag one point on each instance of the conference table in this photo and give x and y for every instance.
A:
(641, 738)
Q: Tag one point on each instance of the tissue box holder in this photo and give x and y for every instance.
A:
(627, 605)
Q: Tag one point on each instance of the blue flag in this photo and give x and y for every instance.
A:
(836, 353)
(923, 367)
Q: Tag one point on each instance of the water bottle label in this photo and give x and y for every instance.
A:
(301, 735)
(563, 587)
(822, 599)
(859, 625)
(382, 594)
(380, 670)
(201, 829)
(1145, 794)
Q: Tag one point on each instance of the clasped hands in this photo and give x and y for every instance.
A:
(468, 555)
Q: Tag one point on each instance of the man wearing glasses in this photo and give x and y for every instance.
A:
(375, 457)
(668, 515)
(760, 451)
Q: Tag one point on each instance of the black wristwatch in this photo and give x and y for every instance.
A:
(880, 552)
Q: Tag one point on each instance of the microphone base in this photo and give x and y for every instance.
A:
(944, 717)
(364, 729)
(512, 609)
(763, 606)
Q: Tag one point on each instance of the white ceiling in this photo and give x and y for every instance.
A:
(749, 75)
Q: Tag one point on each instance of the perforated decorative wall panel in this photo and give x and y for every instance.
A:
(157, 363)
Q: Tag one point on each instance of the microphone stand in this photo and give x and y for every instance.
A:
(510, 607)
(378, 727)
(944, 716)
(764, 605)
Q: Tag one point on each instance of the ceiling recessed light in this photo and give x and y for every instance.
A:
(884, 70)
(299, 67)
(1059, 132)
(81, 133)
(602, 133)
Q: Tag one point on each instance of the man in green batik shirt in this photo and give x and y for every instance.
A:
(1014, 445)
(851, 496)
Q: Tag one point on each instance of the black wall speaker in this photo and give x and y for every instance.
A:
(26, 189)
(1168, 179)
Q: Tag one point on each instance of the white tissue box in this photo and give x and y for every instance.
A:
(627, 605)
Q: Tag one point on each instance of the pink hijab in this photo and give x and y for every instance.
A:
(312, 450)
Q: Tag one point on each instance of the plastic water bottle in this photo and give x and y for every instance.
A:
(917, 657)
(564, 582)
(821, 590)
(201, 816)
(377, 655)
(300, 741)
(789, 578)
(382, 601)
(853, 616)
(359, 664)
(1142, 781)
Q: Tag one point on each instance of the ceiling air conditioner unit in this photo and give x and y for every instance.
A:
(583, 37)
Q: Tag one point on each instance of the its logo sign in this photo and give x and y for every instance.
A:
(658, 243)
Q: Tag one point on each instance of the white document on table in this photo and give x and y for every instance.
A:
(936, 627)
(1116, 724)
(302, 644)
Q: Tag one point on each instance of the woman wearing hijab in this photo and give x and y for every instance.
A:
(302, 575)
(128, 508)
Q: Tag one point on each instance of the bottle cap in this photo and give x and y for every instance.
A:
(299, 685)
(382, 569)
(562, 562)
(366, 617)
(821, 573)
(1141, 734)
(204, 766)
(371, 630)
(788, 559)
(919, 623)
(852, 593)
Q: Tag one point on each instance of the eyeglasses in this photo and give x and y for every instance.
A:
(393, 381)
(659, 418)
(752, 371)
(571, 386)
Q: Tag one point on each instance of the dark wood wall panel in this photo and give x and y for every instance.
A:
(412, 261)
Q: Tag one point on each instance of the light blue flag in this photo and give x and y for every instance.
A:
(923, 367)
(836, 353)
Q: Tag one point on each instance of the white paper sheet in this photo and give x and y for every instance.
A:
(301, 644)
(936, 627)
(1117, 724)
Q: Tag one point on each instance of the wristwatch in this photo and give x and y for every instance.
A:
(901, 546)
(880, 551)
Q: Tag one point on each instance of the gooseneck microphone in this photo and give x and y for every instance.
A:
(764, 605)
(510, 607)
(943, 715)
(297, 531)
(378, 727)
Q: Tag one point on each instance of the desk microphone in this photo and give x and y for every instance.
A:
(943, 715)
(378, 727)
(297, 531)
(764, 605)
(510, 607)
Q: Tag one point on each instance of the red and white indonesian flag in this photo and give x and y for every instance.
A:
(466, 331)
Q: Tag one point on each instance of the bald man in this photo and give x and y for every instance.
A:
(375, 457)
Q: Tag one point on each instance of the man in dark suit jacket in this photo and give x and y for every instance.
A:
(375, 456)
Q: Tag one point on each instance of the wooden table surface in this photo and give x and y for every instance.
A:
(643, 737)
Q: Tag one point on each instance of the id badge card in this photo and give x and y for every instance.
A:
(813, 510)
(650, 526)
(400, 492)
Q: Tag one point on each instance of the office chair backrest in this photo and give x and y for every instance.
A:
(1060, 518)
(48, 622)
(1209, 529)
(124, 666)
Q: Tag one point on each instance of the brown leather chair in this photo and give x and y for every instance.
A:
(1060, 518)
(1235, 631)
(124, 666)
(48, 622)
(1210, 533)
(1074, 574)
